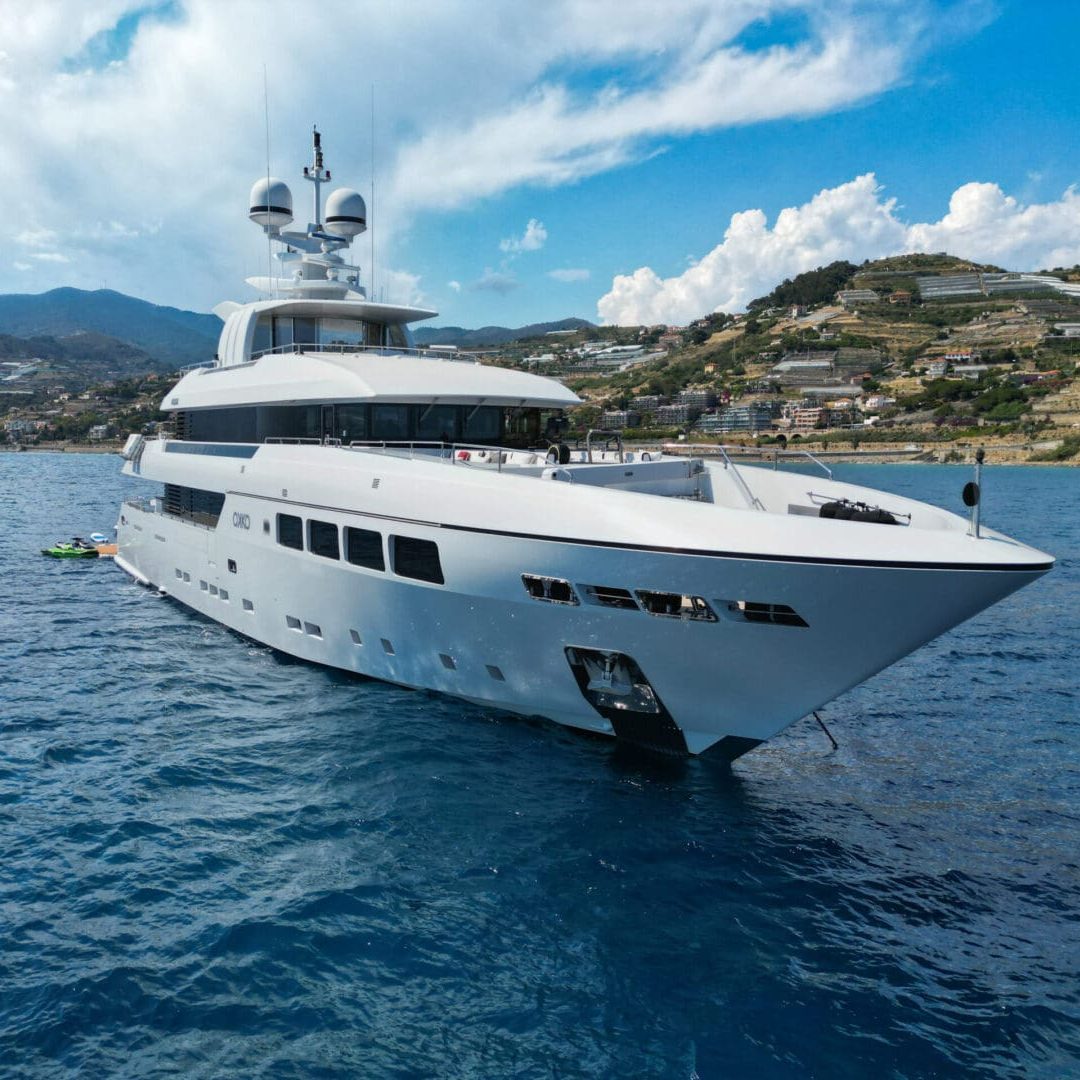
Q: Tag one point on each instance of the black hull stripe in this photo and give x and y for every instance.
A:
(619, 545)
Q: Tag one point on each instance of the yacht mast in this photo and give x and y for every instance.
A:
(317, 175)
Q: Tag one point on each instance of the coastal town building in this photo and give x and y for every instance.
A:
(618, 419)
(677, 414)
(851, 298)
(758, 416)
(647, 403)
(701, 399)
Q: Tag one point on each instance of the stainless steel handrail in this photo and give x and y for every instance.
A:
(616, 435)
(821, 464)
(751, 499)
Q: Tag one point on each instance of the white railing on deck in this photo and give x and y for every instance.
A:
(393, 350)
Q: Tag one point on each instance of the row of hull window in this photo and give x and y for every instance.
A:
(669, 605)
(410, 556)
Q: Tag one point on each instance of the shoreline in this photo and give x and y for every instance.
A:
(1008, 455)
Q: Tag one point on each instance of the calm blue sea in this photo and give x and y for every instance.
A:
(217, 862)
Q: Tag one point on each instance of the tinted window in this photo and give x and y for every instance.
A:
(417, 559)
(483, 423)
(323, 539)
(438, 423)
(390, 422)
(352, 423)
(290, 531)
(260, 341)
(282, 331)
(341, 331)
(364, 548)
(305, 331)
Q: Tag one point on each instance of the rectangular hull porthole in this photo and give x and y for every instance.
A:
(617, 688)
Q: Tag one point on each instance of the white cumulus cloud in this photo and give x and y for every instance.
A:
(852, 221)
(532, 239)
(398, 287)
(159, 133)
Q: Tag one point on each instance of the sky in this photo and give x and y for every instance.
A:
(590, 158)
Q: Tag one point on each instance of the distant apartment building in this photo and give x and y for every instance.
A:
(620, 418)
(805, 417)
(702, 399)
(98, 432)
(878, 401)
(936, 369)
(677, 414)
(647, 403)
(754, 417)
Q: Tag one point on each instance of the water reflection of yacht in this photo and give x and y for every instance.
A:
(336, 493)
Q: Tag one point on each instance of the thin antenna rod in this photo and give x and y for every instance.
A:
(269, 241)
(371, 211)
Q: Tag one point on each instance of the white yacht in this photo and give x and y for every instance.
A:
(330, 490)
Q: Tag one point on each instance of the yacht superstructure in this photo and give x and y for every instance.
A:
(334, 492)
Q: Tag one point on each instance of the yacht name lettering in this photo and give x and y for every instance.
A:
(241, 521)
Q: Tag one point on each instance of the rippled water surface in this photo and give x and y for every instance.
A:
(217, 862)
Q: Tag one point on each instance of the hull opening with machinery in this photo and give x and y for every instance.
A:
(330, 490)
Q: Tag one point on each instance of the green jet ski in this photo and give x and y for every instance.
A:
(75, 548)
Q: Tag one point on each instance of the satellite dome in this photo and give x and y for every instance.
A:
(271, 203)
(346, 214)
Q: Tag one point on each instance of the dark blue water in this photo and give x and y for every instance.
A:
(216, 862)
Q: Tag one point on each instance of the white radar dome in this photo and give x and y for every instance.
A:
(346, 214)
(270, 203)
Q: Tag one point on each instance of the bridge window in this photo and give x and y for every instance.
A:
(353, 424)
(323, 539)
(261, 340)
(343, 332)
(305, 331)
(483, 424)
(390, 422)
(438, 423)
(283, 332)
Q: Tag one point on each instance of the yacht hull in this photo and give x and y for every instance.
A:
(726, 683)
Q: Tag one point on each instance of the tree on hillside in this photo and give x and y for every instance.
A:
(813, 287)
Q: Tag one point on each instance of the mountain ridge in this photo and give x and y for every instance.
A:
(171, 336)
(493, 335)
